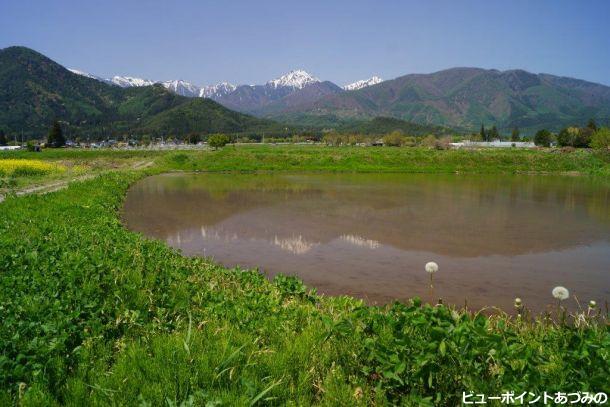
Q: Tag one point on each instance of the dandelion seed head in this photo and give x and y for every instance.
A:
(518, 302)
(431, 267)
(561, 293)
(592, 304)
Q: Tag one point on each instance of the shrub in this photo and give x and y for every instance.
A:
(408, 141)
(601, 139)
(429, 141)
(443, 144)
(393, 139)
(543, 138)
(218, 140)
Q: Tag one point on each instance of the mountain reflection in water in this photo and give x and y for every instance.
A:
(369, 235)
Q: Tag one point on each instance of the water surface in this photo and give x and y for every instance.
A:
(369, 235)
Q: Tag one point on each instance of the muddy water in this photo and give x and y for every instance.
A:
(494, 237)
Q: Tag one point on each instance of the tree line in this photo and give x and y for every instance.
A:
(589, 136)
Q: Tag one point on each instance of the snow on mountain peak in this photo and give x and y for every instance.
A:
(294, 79)
(220, 89)
(85, 74)
(182, 88)
(363, 83)
(128, 81)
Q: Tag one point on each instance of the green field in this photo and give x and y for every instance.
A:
(360, 159)
(349, 159)
(93, 314)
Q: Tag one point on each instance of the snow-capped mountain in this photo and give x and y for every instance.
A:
(297, 79)
(218, 90)
(87, 75)
(363, 83)
(182, 88)
(289, 91)
(129, 81)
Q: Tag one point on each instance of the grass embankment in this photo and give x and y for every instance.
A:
(93, 314)
(297, 158)
(416, 160)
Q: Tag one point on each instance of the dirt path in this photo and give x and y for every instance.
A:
(49, 187)
(140, 165)
(57, 185)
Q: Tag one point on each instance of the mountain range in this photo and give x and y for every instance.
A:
(465, 98)
(459, 98)
(291, 90)
(35, 91)
(296, 79)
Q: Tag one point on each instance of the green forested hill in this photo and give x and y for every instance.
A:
(35, 91)
(205, 116)
(383, 125)
(464, 98)
(377, 125)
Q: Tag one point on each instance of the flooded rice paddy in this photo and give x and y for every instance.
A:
(369, 235)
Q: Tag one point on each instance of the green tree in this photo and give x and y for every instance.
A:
(493, 134)
(193, 138)
(408, 141)
(394, 139)
(332, 139)
(429, 141)
(592, 125)
(543, 138)
(600, 140)
(218, 140)
(582, 138)
(483, 133)
(145, 140)
(514, 136)
(56, 137)
(3, 140)
(566, 136)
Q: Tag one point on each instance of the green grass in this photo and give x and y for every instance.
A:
(93, 314)
(295, 158)
(267, 157)
(360, 159)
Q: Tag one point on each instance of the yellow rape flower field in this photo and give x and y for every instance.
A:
(25, 167)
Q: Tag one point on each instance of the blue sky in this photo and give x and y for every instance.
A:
(252, 41)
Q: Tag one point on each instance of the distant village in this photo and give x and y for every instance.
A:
(574, 137)
(177, 144)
